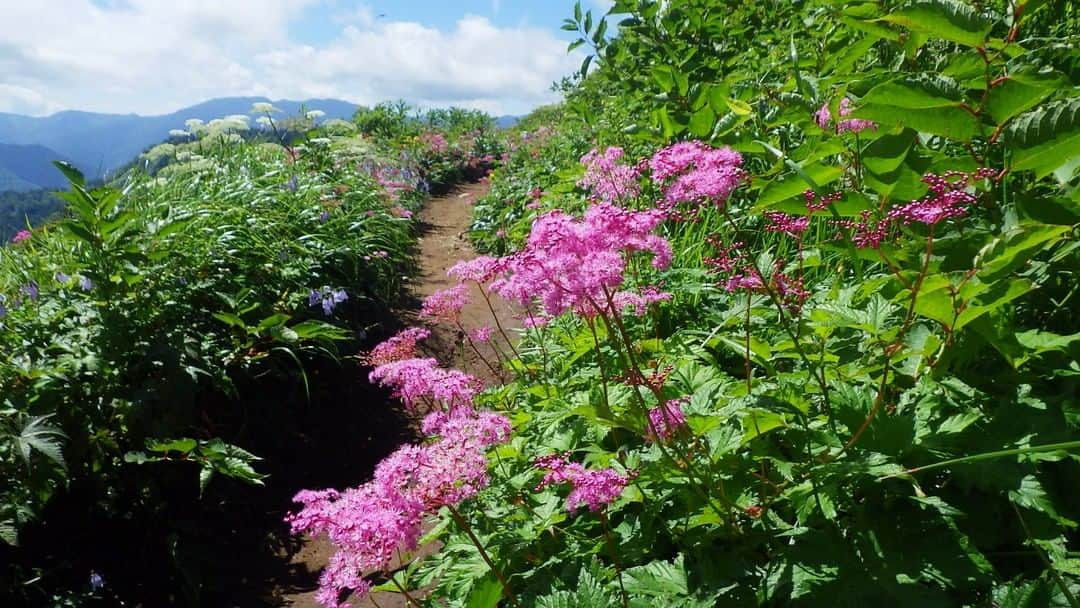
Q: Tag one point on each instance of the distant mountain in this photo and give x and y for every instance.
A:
(505, 122)
(100, 143)
(29, 167)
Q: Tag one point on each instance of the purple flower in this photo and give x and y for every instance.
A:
(291, 184)
(85, 283)
(21, 236)
(62, 277)
(329, 298)
(96, 581)
(31, 290)
(324, 217)
(3, 309)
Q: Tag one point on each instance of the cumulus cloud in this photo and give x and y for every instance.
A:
(154, 56)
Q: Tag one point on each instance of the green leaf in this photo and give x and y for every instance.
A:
(229, 319)
(485, 593)
(72, 174)
(1010, 251)
(1021, 91)
(811, 177)
(947, 19)
(1045, 138)
(928, 103)
(34, 433)
(702, 121)
(664, 76)
(185, 445)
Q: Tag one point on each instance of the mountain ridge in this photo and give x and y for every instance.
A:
(98, 143)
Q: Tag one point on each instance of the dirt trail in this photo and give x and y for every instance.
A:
(443, 242)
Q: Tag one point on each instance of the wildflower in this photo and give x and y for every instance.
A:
(291, 185)
(400, 346)
(416, 379)
(369, 526)
(481, 334)
(62, 277)
(788, 224)
(314, 114)
(608, 180)
(3, 308)
(21, 236)
(749, 280)
(31, 290)
(948, 198)
(324, 217)
(592, 488)
(852, 125)
(639, 302)
(570, 264)
(467, 424)
(329, 298)
(695, 171)
(263, 107)
(815, 203)
(667, 420)
(480, 269)
(446, 305)
(96, 581)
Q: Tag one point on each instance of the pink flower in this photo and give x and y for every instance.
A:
(480, 269)
(948, 198)
(853, 125)
(667, 420)
(446, 304)
(401, 346)
(608, 180)
(464, 424)
(639, 302)
(571, 264)
(367, 525)
(21, 236)
(789, 224)
(416, 379)
(750, 281)
(481, 334)
(592, 488)
(699, 171)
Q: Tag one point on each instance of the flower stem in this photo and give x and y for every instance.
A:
(464, 525)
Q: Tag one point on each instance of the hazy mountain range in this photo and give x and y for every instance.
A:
(101, 143)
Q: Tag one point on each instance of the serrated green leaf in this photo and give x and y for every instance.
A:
(947, 19)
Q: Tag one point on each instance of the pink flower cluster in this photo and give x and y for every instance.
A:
(21, 236)
(816, 203)
(434, 141)
(824, 118)
(693, 171)
(414, 380)
(480, 269)
(639, 302)
(371, 524)
(445, 305)
(789, 224)
(592, 488)
(948, 198)
(606, 178)
(401, 346)
(575, 264)
(666, 420)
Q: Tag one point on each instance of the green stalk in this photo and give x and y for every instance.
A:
(1034, 449)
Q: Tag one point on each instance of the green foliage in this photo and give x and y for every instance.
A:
(908, 434)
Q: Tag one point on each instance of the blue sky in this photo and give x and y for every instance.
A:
(156, 56)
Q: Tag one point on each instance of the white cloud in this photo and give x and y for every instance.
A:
(154, 56)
